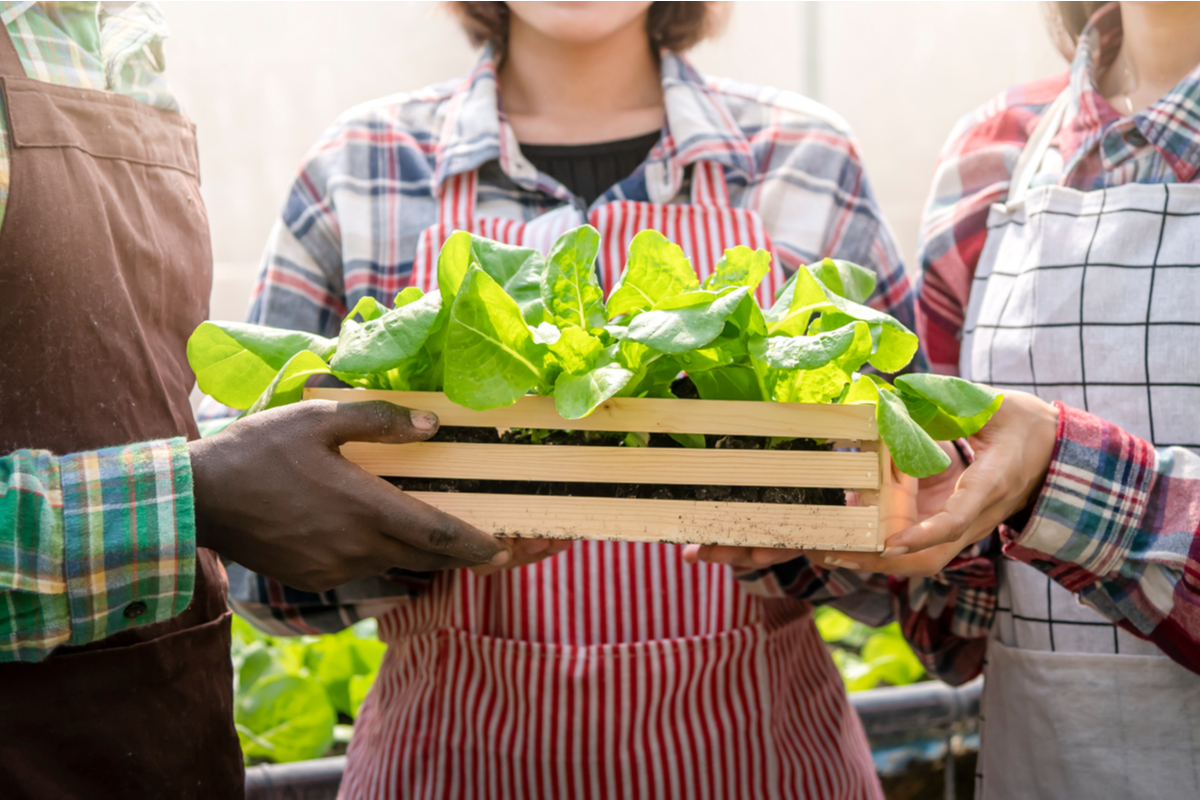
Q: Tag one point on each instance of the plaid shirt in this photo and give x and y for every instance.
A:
(1117, 521)
(1097, 148)
(368, 188)
(85, 535)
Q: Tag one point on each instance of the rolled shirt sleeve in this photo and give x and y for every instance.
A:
(1117, 522)
(93, 543)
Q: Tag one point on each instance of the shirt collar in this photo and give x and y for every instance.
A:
(1092, 122)
(141, 24)
(13, 10)
(698, 127)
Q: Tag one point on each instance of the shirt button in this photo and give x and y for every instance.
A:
(135, 609)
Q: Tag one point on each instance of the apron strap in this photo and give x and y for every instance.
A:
(456, 202)
(708, 185)
(1039, 142)
(10, 62)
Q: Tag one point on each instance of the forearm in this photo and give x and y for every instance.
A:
(946, 618)
(1117, 522)
(92, 544)
(863, 596)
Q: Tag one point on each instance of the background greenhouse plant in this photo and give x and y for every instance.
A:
(291, 692)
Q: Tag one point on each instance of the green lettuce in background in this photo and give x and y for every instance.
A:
(867, 657)
(290, 691)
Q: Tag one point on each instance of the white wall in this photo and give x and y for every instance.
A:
(262, 80)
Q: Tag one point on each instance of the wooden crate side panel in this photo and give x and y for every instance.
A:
(897, 508)
(651, 415)
(520, 462)
(670, 521)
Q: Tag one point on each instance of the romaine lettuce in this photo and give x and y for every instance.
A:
(507, 322)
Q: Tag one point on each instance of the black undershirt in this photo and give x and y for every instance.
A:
(589, 170)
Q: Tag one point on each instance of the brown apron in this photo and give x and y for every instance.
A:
(105, 268)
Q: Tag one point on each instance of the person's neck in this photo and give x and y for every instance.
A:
(566, 93)
(1160, 45)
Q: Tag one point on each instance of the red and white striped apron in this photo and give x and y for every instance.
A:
(614, 670)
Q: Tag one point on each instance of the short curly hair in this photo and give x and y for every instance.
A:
(672, 25)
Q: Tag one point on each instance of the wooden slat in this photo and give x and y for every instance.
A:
(645, 414)
(522, 462)
(671, 521)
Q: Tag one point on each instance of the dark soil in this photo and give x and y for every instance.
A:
(732, 494)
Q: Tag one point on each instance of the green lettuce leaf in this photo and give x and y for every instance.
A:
(570, 289)
(576, 396)
(367, 308)
(728, 383)
(947, 407)
(740, 266)
(914, 452)
(685, 321)
(656, 269)
(234, 362)
(576, 350)
(336, 659)
(288, 384)
(823, 384)
(850, 342)
(453, 262)
(845, 279)
(518, 270)
(496, 361)
(805, 295)
(285, 718)
(386, 341)
(409, 294)
(693, 440)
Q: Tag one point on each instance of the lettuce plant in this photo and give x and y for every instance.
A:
(507, 321)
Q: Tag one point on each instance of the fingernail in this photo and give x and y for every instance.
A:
(841, 562)
(892, 552)
(501, 558)
(424, 420)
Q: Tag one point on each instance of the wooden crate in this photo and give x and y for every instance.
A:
(675, 521)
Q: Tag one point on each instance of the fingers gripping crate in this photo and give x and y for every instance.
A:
(867, 472)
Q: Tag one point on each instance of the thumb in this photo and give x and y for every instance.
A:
(378, 421)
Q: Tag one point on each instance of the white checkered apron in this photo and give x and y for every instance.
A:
(1091, 298)
(614, 670)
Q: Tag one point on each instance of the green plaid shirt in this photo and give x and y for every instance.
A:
(91, 543)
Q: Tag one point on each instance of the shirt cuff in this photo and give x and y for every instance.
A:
(129, 526)
(1085, 521)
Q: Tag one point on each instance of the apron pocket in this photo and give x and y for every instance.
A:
(454, 713)
(154, 720)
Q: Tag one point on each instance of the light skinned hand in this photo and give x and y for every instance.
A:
(526, 552)
(1012, 455)
(912, 500)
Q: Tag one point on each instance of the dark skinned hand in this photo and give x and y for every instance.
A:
(274, 494)
(526, 552)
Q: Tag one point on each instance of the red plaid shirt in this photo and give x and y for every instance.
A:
(1117, 521)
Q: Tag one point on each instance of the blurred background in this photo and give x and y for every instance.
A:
(263, 80)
